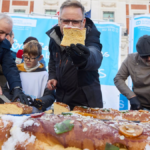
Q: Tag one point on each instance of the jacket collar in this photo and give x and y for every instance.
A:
(5, 44)
(55, 34)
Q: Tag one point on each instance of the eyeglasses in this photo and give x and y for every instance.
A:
(145, 57)
(74, 22)
(2, 32)
(29, 59)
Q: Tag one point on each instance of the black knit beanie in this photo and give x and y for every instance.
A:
(143, 45)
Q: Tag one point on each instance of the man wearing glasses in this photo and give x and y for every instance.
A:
(73, 71)
(8, 64)
(136, 65)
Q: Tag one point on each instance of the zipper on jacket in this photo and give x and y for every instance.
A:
(60, 62)
(63, 96)
(66, 62)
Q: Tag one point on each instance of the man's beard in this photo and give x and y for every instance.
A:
(145, 62)
(148, 63)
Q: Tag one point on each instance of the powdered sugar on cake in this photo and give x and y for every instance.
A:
(16, 134)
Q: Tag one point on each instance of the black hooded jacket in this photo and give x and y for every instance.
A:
(76, 87)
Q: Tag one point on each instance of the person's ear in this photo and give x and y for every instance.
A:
(83, 23)
(8, 37)
(58, 21)
(40, 57)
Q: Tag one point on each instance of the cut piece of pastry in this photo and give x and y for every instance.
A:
(73, 36)
(15, 108)
(60, 107)
(50, 111)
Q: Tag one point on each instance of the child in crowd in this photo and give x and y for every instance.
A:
(34, 78)
(28, 40)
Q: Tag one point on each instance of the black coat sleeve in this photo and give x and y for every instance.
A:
(93, 43)
(48, 98)
(9, 66)
(51, 65)
(6, 92)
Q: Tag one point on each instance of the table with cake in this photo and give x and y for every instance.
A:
(83, 128)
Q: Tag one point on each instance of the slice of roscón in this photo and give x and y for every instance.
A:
(73, 36)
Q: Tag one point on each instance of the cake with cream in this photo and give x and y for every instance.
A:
(89, 133)
(102, 113)
(72, 132)
(76, 131)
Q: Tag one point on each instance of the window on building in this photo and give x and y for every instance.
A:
(108, 16)
(136, 14)
(50, 12)
(21, 11)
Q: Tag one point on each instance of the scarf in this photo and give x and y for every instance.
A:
(31, 69)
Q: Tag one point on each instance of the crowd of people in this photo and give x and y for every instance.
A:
(72, 76)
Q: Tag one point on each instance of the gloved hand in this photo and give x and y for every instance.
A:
(36, 103)
(79, 54)
(17, 93)
(135, 104)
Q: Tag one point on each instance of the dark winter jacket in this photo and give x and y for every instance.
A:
(8, 65)
(76, 86)
(2, 77)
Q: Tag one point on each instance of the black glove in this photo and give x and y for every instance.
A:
(78, 53)
(135, 104)
(17, 93)
(36, 103)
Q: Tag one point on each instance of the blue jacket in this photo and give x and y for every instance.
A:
(76, 86)
(8, 65)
